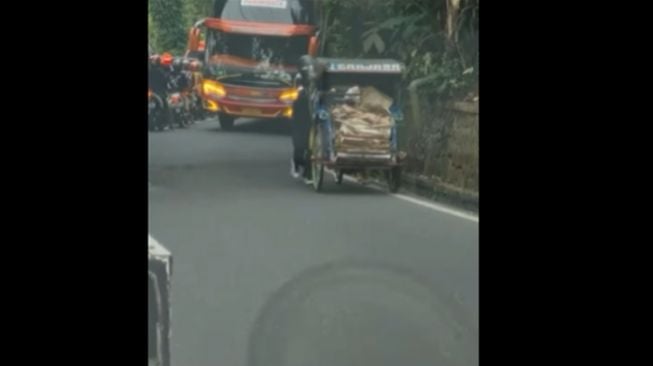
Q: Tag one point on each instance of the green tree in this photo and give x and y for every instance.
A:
(168, 23)
(195, 10)
(151, 32)
(434, 38)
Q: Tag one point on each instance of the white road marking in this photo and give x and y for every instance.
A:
(438, 207)
(431, 205)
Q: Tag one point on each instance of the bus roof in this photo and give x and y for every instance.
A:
(267, 11)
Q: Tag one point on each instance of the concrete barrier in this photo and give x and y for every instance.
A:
(442, 143)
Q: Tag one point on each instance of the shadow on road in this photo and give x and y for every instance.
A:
(331, 188)
(259, 126)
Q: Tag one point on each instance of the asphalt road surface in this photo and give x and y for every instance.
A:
(268, 272)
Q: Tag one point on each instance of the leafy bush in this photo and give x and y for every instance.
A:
(168, 25)
(414, 32)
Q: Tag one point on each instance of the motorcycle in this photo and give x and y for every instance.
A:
(175, 104)
(179, 103)
(197, 110)
(156, 112)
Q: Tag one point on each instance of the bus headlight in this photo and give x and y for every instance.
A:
(289, 95)
(213, 89)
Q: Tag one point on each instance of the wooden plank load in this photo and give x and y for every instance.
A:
(363, 125)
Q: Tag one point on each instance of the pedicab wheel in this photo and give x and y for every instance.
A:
(226, 122)
(393, 176)
(317, 167)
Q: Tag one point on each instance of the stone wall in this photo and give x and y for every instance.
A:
(442, 141)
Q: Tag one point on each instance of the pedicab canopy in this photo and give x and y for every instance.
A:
(361, 66)
(383, 74)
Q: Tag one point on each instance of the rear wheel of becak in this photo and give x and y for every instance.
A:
(393, 176)
(317, 166)
(226, 122)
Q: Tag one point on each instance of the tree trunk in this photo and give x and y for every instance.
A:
(453, 8)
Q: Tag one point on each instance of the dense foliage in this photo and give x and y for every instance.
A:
(168, 30)
(436, 39)
(427, 35)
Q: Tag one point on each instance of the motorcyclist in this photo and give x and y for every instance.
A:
(167, 74)
(180, 77)
(157, 80)
(157, 77)
(194, 76)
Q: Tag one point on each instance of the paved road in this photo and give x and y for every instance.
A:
(267, 272)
